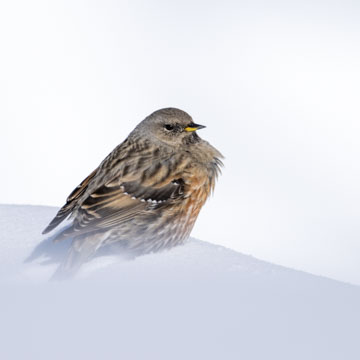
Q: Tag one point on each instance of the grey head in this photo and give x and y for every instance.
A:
(169, 126)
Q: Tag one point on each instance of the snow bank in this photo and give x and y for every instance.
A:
(197, 301)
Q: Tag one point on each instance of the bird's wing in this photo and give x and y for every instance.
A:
(70, 203)
(114, 204)
(134, 182)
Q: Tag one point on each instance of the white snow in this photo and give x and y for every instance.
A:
(197, 301)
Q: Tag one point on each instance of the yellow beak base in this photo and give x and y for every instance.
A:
(193, 127)
(190, 129)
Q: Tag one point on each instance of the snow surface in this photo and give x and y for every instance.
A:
(197, 301)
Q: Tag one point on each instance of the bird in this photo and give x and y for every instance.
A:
(145, 196)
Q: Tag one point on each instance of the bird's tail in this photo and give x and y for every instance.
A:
(82, 249)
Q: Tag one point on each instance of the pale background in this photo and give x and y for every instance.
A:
(276, 83)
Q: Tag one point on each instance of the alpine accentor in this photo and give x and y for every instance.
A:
(145, 195)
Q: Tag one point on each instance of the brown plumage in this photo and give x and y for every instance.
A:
(146, 194)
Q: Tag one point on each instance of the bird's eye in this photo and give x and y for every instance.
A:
(169, 127)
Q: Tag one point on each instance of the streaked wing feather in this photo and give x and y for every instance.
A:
(114, 204)
(71, 201)
(132, 169)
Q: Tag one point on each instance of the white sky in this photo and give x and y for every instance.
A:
(276, 83)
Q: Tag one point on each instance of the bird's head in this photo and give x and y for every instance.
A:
(171, 126)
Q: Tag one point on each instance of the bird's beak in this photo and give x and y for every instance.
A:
(192, 127)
